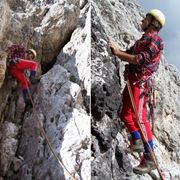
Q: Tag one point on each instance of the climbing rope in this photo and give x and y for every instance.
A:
(141, 129)
(48, 142)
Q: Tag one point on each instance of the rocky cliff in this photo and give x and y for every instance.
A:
(120, 21)
(59, 30)
(60, 33)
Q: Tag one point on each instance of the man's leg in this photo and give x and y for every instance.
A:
(146, 164)
(140, 103)
(130, 122)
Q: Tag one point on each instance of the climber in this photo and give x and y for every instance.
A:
(143, 58)
(17, 64)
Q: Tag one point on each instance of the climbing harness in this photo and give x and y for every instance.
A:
(48, 142)
(142, 132)
(151, 97)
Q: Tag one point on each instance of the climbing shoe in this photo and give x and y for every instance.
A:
(146, 165)
(136, 145)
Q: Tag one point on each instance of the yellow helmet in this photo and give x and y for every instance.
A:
(33, 52)
(158, 15)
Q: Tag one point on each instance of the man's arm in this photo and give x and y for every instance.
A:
(124, 56)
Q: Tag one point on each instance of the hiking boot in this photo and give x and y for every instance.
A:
(146, 165)
(137, 145)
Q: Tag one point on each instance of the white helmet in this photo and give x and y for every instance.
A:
(158, 15)
(33, 52)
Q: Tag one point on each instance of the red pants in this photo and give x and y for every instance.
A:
(17, 71)
(127, 114)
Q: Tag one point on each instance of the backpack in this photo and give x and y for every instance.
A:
(15, 52)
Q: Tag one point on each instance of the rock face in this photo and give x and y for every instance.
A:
(56, 103)
(76, 53)
(8, 145)
(44, 26)
(3, 57)
(4, 17)
(168, 116)
(61, 98)
(120, 21)
(76, 67)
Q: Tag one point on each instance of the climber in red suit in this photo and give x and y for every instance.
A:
(18, 63)
(143, 58)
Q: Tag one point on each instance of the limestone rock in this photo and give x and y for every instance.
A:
(60, 109)
(8, 145)
(17, 162)
(65, 126)
(3, 57)
(62, 97)
(45, 26)
(82, 3)
(167, 118)
(6, 103)
(61, 104)
(120, 21)
(56, 27)
(75, 56)
(4, 18)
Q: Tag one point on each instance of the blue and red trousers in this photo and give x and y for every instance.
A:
(127, 115)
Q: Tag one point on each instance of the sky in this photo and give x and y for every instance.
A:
(171, 31)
